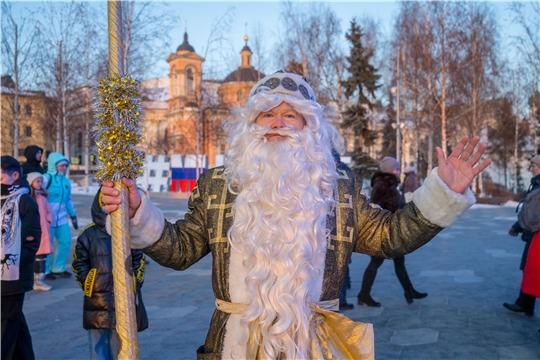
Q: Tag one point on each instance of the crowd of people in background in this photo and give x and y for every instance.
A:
(36, 239)
(37, 206)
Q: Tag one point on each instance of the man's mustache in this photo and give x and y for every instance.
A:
(261, 131)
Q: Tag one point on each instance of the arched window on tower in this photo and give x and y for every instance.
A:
(190, 82)
(175, 81)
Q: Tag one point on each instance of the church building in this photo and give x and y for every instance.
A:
(184, 113)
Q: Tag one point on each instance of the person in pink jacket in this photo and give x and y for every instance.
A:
(35, 180)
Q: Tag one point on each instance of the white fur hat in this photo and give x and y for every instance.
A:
(284, 83)
(31, 177)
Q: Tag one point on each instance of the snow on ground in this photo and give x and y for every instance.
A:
(511, 203)
(81, 190)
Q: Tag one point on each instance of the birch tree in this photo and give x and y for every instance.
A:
(145, 36)
(17, 47)
(446, 57)
(477, 79)
(259, 45)
(527, 16)
(413, 49)
(60, 33)
(218, 49)
(311, 46)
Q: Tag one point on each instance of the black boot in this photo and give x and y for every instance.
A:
(405, 281)
(526, 302)
(364, 297)
(411, 294)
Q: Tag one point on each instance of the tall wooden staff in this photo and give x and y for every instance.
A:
(117, 134)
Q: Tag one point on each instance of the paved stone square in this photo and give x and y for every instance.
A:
(468, 270)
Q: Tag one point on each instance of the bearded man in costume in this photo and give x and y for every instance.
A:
(281, 220)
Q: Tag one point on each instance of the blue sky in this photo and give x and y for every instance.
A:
(198, 17)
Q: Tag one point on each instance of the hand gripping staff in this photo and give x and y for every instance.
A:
(117, 111)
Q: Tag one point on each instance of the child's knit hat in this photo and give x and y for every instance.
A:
(31, 177)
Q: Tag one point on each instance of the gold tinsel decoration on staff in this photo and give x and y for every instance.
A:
(117, 134)
(117, 110)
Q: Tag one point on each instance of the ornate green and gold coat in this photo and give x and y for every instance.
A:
(354, 226)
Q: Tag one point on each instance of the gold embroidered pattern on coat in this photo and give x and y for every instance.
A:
(221, 207)
(339, 230)
(195, 193)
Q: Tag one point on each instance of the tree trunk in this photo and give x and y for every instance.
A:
(484, 139)
(505, 175)
(474, 131)
(64, 122)
(87, 151)
(481, 184)
(516, 140)
(443, 110)
(126, 33)
(398, 120)
(63, 108)
(16, 98)
(417, 143)
(59, 92)
(430, 150)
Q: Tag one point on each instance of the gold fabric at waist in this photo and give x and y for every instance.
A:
(333, 336)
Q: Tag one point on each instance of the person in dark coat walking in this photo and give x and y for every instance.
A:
(525, 303)
(21, 236)
(410, 183)
(33, 156)
(385, 193)
(92, 265)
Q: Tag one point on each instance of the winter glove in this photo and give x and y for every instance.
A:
(74, 222)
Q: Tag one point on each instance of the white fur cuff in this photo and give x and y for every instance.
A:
(438, 203)
(146, 226)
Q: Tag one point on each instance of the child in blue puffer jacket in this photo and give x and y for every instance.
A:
(61, 206)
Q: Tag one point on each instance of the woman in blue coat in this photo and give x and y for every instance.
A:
(61, 206)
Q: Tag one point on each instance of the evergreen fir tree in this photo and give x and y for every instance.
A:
(361, 84)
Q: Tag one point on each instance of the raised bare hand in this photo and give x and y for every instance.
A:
(111, 196)
(458, 170)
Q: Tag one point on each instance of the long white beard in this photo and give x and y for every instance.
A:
(285, 191)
